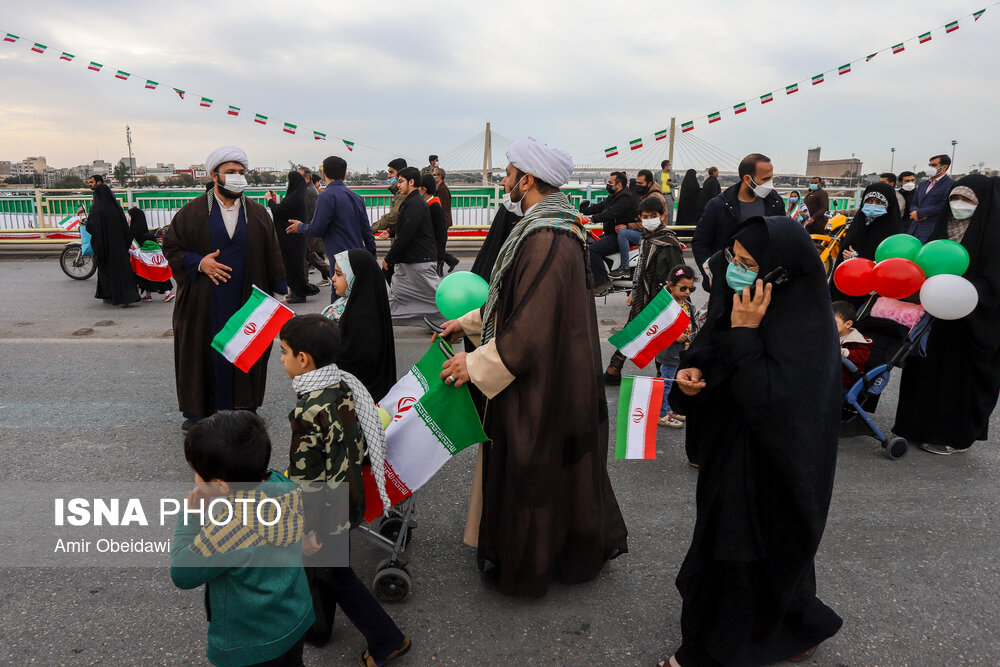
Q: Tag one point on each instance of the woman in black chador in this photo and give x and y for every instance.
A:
(110, 240)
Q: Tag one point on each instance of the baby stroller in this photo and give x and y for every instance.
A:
(870, 384)
(392, 580)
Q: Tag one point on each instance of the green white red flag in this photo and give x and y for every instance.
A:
(661, 134)
(898, 48)
(639, 404)
(611, 151)
(260, 118)
(289, 128)
(94, 67)
(38, 48)
(233, 111)
(975, 15)
(926, 37)
(68, 57)
(180, 93)
(430, 422)
(818, 79)
(844, 69)
(951, 27)
(151, 85)
(687, 127)
(251, 330)
(766, 97)
(349, 144)
(319, 136)
(11, 37)
(714, 117)
(122, 74)
(794, 88)
(635, 144)
(740, 108)
(148, 262)
(658, 325)
(206, 102)
(71, 222)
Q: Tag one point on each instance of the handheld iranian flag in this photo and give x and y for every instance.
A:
(794, 88)
(926, 37)
(349, 144)
(766, 97)
(662, 134)
(818, 79)
(658, 325)
(289, 128)
(951, 27)
(714, 117)
(740, 108)
(71, 222)
(251, 330)
(898, 48)
(687, 127)
(844, 69)
(431, 422)
(148, 262)
(611, 152)
(635, 144)
(638, 409)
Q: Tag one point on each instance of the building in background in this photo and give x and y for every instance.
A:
(846, 168)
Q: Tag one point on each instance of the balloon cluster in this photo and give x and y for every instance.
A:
(459, 293)
(903, 266)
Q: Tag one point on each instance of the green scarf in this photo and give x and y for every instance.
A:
(553, 212)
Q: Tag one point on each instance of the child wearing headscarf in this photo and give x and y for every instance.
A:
(141, 234)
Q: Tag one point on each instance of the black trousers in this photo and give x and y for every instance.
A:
(293, 254)
(290, 658)
(599, 249)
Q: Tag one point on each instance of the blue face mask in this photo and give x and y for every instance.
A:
(814, 186)
(874, 210)
(392, 181)
(737, 277)
(793, 200)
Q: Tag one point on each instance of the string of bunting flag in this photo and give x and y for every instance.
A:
(791, 89)
(150, 84)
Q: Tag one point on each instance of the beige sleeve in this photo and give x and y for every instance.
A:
(472, 325)
(487, 371)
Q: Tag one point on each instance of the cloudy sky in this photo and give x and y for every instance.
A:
(414, 78)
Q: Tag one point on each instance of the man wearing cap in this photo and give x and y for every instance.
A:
(219, 246)
(548, 509)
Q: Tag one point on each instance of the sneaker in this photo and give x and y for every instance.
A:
(943, 450)
(602, 290)
(669, 422)
(674, 415)
(168, 297)
(612, 379)
(619, 274)
(146, 296)
(326, 282)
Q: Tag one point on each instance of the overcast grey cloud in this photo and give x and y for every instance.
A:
(406, 79)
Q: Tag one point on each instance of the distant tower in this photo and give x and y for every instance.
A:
(812, 157)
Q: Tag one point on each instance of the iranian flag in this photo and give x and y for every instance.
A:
(844, 69)
(898, 48)
(431, 422)
(714, 117)
(794, 88)
(120, 74)
(148, 262)
(638, 409)
(870, 56)
(658, 325)
(662, 134)
(349, 144)
(66, 56)
(818, 79)
(233, 111)
(289, 128)
(151, 85)
(768, 97)
(205, 102)
(10, 37)
(260, 119)
(319, 136)
(38, 48)
(635, 144)
(926, 37)
(611, 152)
(71, 222)
(740, 108)
(687, 127)
(975, 15)
(180, 93)
(94, 67)
(951, 27)
(251, 330)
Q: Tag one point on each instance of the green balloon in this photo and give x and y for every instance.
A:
(459, 293)
(943, 257)
(898, 245)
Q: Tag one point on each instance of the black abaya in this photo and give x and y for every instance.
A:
(367, 347)
(293, 206)
(767, 464)
(687, 203)
(947, 397)
(110, 240)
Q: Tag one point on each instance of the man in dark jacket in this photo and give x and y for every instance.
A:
(710, 189)
(753, 196)
(818, 202)
(930, 201)
(444, 194)
(413, 257)
(616, 213)
(314, 246)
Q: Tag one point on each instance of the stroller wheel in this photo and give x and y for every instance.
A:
(897, 448)
(390, 527)
(392, 584)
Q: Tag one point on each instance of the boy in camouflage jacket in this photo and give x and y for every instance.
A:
(329, 428)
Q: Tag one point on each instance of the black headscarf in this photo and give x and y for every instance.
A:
(687, 203)
(865, 235)
(110, 241)
(137, 225)
(982, 240)
(367, 346)
(293, 204)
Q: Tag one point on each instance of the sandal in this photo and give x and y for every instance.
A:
(366, 659)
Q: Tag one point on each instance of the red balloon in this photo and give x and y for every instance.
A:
(897, 278)
(854, 277)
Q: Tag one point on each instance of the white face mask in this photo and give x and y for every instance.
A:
(234, 182)
(762, 190)
(930, 172)
(514, 207)
(962, 209)
(909, 187)
(650, 224)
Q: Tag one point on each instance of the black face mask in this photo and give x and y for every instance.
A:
(642, 189)
(610, 188)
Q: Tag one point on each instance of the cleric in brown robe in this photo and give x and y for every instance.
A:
(219, 246)
(549, 512)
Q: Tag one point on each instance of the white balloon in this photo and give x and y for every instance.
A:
(948, 297)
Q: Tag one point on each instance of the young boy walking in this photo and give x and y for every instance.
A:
(332, 425)
(256, 594)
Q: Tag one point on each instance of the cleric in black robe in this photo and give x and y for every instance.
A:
(139, 229)
(864, 234)
(947, 397)
(687, 203)
(766, 421)
(293, 206)
(110, 240)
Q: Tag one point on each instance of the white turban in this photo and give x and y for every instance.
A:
(552, 165)
(226, 154)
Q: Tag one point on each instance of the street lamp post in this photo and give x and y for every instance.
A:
(892, 163)
(953, 144)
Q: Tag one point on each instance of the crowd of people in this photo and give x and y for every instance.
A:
(542, 506)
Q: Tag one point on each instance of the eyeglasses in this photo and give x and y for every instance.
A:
(688, 290)
(746, 267)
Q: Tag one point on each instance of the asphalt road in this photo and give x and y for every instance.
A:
(910, 559)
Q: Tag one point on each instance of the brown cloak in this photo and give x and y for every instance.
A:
(189, 233)
(549, 511)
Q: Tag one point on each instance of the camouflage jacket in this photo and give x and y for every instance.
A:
(389, 220)
(327, 452)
